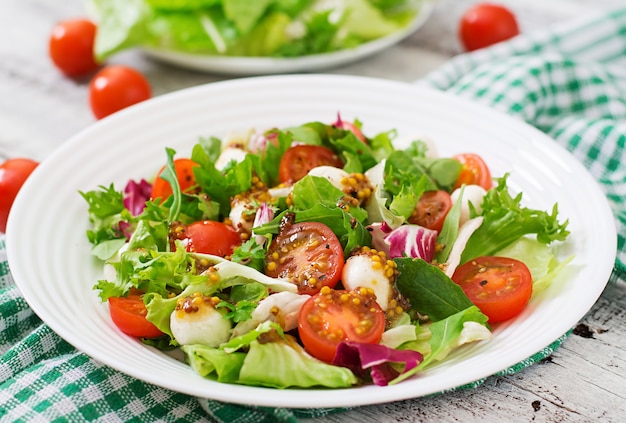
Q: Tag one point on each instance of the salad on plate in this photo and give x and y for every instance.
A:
(318, 256)
(242, 28)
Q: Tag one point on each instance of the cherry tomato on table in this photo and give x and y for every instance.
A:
(184, 173)
(499, 286)
(300, 159)
(332, 316)
(211, 237)
(71, 47)
(308, 254)
(116, 87)
(13, 174)
(485, 24)
(474, 171)
(129, 315)
(431, 210)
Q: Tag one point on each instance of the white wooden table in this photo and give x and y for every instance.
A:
(584, 380)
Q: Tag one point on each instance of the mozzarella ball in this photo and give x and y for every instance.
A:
(333, 174)
(196, 321)
(281, 307)
(362, 271)
(228, 155)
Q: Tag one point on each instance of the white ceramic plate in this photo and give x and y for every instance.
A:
(269, 65)
(49, 253)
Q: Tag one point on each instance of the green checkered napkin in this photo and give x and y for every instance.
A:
(568, 81)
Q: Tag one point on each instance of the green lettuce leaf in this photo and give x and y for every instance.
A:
(505, 221)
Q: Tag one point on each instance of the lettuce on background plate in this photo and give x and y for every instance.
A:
(259, 28)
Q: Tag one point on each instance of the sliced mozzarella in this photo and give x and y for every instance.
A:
(471, 194)
(238, 139)
(359, 271)
(333, 174)
(465, 232)
(205, 326)
(282, 308)
(228, 155)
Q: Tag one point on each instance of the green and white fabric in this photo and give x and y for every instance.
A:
(569, 81)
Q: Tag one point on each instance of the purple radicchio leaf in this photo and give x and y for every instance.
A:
(125, 229)
(375, 358)
(412, 241)
(135, 196)
(379, 231)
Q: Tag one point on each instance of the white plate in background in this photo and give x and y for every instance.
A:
(232, 65)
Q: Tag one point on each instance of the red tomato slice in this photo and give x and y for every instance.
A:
(332, 316)
(184, 173)
(431, 210)
(308, 254)
(485, 24)
(300, 159)
(71, 47)
(116, 87)
(499, 286)
(13, 174)
(129, 315)
(211, 237)
(474, 171)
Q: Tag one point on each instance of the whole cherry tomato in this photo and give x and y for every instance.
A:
(485, 24)
(13, 174)
(116, 87)
(71, 47)
(300, 159)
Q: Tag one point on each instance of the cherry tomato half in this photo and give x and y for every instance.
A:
(211, 237)
(116, 87)
(474, 171)
(499, 286)
(71, 47)
(332, 316)
(129, 315)
(431, 210)
(308, 254)
(485, 24)
(13, 174)
(349, 126)
(184, 173)
(300, 159)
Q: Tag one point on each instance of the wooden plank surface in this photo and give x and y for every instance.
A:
(583, 381)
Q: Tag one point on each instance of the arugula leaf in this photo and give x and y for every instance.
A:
(169, 174)
(450, 230)
(447, 334)
(505, 221)
(429, 290)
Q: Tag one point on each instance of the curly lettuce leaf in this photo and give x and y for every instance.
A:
(506, 220)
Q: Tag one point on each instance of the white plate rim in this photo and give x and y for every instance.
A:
(250, 66)
(29, 279)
